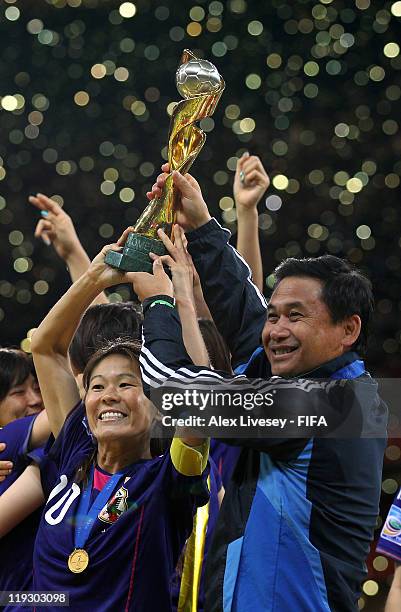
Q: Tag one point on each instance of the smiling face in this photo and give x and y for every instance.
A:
(116, 406)
(22, 400)
(299, 334)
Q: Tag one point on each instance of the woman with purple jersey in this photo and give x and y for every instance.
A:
(112, 510)
(22, 431)
(19, 390)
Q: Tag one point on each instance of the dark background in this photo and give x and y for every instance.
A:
(311, 87)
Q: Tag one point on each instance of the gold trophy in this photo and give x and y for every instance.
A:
(199, 82)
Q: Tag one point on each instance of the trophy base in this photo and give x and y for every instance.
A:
(135, 256)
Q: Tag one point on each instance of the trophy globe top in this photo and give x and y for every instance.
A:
(198, 77)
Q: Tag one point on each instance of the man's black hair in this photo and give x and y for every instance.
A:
(345, 290)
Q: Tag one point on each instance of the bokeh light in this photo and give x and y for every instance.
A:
(312, 88)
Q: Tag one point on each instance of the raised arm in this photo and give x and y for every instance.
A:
(157, 290)
(393, 603)
(181, 268)
(56, 228)
(40, 431)
(22, 498)
(237, 306)
(250, 183)
(51, 340)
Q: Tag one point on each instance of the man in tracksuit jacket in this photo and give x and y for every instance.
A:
(299, 514)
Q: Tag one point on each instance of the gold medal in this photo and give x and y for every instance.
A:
(78, 561)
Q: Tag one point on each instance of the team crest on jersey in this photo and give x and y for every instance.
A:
(115, 507)
(392, 526)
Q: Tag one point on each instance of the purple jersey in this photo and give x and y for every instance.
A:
(225, 457)
(136, 539)
(16, 548)
(389, 541)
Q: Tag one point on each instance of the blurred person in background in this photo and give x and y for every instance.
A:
(56, 228)
(389, 544)
(23, 432)
(250, 184)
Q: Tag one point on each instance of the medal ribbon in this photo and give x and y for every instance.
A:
(87, 514)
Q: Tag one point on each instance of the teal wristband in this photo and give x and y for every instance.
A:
(161, 302)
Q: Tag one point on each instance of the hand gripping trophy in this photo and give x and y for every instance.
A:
(199, 82)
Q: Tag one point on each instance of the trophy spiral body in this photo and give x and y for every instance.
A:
(201, 86)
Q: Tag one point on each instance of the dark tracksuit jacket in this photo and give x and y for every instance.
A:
(299, 514)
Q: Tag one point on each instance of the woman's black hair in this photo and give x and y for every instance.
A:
(15, 367)
(216, 347)
(119, 346)
(100, 325)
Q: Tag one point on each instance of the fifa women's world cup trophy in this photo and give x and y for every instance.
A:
(199, 82)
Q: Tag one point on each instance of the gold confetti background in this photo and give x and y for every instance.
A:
(312, 87)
